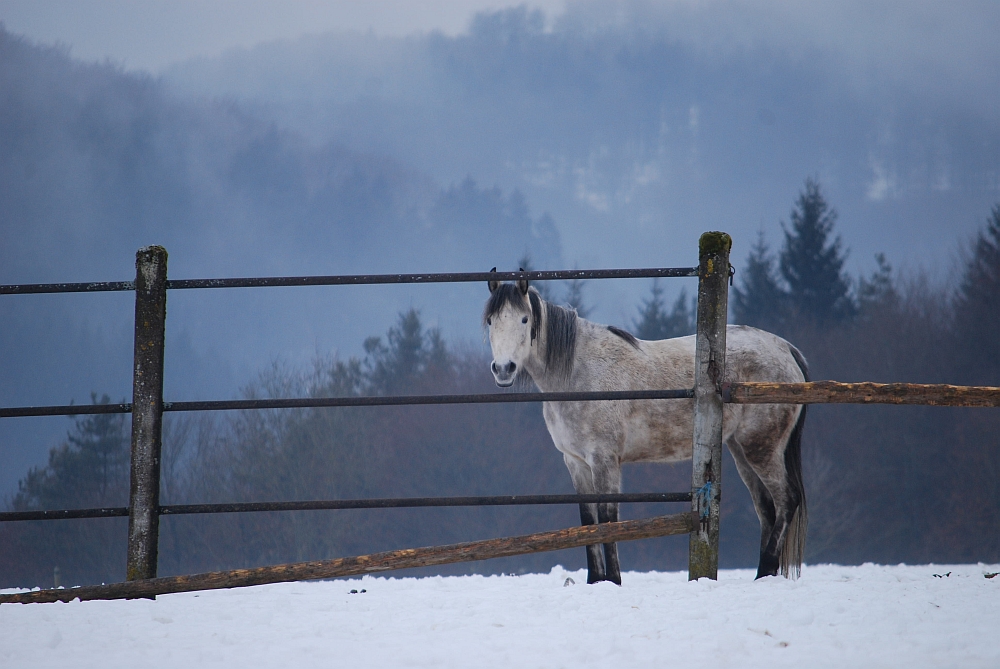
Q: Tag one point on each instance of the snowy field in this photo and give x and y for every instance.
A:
(868, 616)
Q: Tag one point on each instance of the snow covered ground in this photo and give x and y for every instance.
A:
(868, 616)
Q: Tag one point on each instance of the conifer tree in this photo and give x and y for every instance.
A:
(655, 322)
(406, 353)
(812, 263)
(879, 290)
(759, 299)
(652, 315)
(977, 306)
(90, 469)
(574, 297)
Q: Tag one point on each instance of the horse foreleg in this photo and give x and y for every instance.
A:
(608, 513)
(595, 560)
(583, 483)
(608, 479)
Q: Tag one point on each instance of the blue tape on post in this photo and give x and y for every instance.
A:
(704, 495)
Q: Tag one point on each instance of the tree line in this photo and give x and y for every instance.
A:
(885, 484)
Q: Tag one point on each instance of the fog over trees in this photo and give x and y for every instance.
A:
(865, 212)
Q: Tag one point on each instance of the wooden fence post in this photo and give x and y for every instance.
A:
(147, 411)
(710, 365)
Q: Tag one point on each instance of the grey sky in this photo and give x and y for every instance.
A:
(919, 40)
(149, 34)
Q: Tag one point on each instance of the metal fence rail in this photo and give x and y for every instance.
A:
(372, 503)
(363, 401)
(355, 280)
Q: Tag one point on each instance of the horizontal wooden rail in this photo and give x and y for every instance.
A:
(471, 551)
(832, 392)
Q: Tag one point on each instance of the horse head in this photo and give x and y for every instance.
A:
(510, 319)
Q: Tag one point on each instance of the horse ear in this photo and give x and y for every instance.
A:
(522, 284)
(494, 284)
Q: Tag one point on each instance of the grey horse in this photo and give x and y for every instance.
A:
(561, 351)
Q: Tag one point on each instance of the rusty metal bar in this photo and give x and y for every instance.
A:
(65, 410)
(449, 277)
(64, 514)
(147, 411)
(405, 400)
(357, 280)
(364, 401)
(710, 367)
(87, 287)
(372, 503)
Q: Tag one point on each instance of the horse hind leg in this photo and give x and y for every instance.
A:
(772, 553)
(786, 547)
(781, 547)
(762, 502)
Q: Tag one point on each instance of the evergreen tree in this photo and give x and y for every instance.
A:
(574, 297)
(652, 315)
(977, 306)
(759, 300)
(407, 352)
(681, 319)
(655, 322)
(878, 291)
(812, 265)
(91, 468)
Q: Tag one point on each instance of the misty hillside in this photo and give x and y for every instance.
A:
(639, 125)
(97, 162)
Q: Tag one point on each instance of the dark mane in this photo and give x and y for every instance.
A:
(560, 339)
(627, 336)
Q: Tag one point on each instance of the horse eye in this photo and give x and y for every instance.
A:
(489, 321)
(524, 320)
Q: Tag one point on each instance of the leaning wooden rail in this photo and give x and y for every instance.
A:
(574, 537)
(833, 392)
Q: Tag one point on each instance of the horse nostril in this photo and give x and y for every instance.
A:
(511, 367)
(493, 367)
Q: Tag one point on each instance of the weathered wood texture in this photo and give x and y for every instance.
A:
(710, 366)
(832, 392)
(573, 537)
(147, 411)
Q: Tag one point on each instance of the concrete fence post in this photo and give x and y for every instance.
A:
(147, 411)
(710, 366)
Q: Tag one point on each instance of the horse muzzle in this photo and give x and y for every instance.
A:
(503, 374)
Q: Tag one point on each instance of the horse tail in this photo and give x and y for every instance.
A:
(795, 539)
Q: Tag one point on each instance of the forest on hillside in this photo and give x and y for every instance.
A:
(885, 484)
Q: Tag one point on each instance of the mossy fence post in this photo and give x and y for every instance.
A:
(147, 411)
(710, 367)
